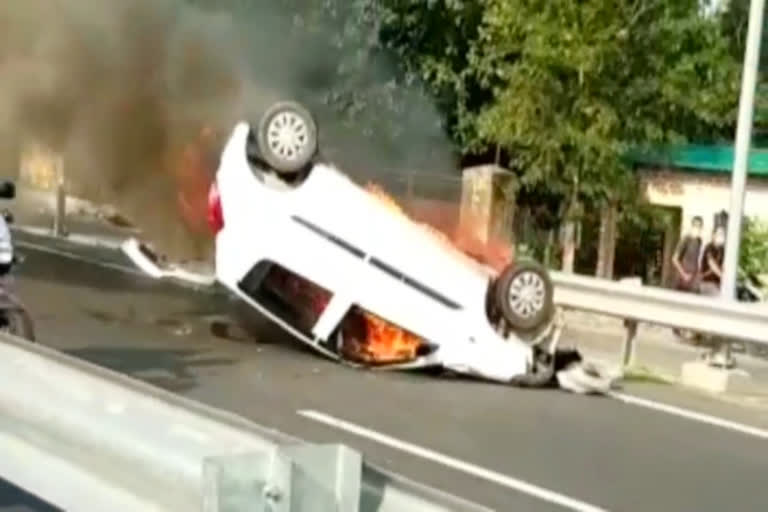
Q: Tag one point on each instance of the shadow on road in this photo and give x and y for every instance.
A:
(173, 370)
(14, 499)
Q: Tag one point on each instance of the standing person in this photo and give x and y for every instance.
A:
(712, 263)
(685, 259)
(711, 275)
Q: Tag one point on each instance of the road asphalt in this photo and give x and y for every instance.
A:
(506, 448)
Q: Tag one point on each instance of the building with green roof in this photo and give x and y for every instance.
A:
(695, 180)
(711, 159)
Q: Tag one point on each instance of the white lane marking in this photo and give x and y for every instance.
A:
(692, 415)
(459, 465)
(73, 256)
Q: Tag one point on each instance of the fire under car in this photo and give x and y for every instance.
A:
(360, 282)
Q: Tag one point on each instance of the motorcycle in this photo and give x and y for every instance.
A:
(14, 318)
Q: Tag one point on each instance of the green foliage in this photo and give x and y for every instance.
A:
(754, 248)
(576, 84)
(640, 244)
(734, 21)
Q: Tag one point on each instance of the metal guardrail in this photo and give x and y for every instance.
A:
(636, 303)
(84, 438)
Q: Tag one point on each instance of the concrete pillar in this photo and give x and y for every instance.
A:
(487, 203)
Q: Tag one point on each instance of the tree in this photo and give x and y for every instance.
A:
(734, 19)
(575, 84)
(753, 259)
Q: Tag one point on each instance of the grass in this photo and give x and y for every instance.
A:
(643, 374)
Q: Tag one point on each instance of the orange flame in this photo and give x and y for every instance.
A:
(192, 169)
(381, 195)
(371, 339)
(493, 253)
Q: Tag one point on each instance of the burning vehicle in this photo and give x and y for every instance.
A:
(344, 270)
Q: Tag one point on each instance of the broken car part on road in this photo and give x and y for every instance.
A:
(363, 283)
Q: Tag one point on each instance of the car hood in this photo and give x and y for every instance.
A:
(331, 201)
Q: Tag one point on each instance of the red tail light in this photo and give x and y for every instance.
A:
(215, 214)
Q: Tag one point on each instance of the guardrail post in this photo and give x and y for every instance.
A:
(335, 471)
(299, 478)
(235, 483)
(628, 350)
(721, 357)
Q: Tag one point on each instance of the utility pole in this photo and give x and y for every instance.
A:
(741, 160)
(743, 143)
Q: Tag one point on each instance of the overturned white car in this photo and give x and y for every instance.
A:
(336, 267)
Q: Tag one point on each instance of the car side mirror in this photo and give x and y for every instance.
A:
(7, 190)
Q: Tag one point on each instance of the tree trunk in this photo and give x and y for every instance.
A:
(613, 237)
(548, 248)
(671, 237)
(568, 240)
(607, 243)
(602, 243)
(569, 246)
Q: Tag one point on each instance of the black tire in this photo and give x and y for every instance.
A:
(18, 323)
(287, 159)
(530, 313)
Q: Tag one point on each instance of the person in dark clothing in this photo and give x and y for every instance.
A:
(685, 259)
(712, 263)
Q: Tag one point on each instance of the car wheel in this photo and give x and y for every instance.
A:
(287, 137)
(524, 294)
